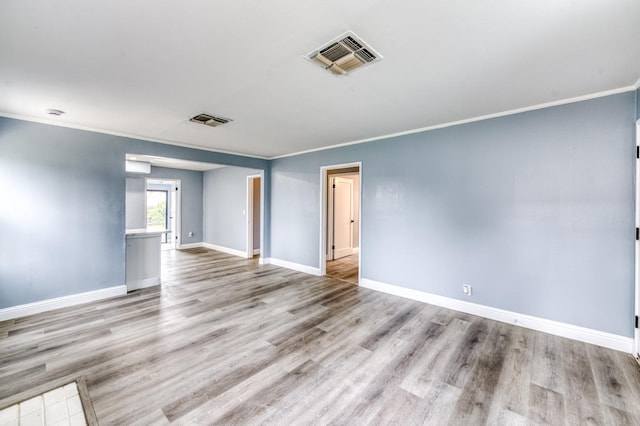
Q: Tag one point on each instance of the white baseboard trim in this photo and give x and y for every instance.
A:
(290, 265)
(355, 250)
(189, 246)
(256, 251)
(587, 335)
(225, 250)
(61, 302)
(144, 283)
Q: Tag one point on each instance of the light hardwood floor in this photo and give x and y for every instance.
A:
(228, 341)
(345, 268)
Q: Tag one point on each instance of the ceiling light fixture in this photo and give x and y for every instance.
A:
(55, 112)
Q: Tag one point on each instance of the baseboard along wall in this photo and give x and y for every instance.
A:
(587, 335)
(290, 265)
(223, 249)
(583, 334)
(61, 302)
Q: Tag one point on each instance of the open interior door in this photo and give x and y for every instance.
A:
(342, 217)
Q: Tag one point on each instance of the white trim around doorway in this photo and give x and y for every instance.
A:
(177, 242)
(323, 215)
(250, 252)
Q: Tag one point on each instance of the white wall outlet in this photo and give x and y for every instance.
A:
(466, 289)
(191, 234)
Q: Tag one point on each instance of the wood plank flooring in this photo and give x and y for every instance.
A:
(228, 341)
(345, 268)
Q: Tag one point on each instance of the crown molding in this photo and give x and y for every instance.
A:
(470, 120)
(123, 134)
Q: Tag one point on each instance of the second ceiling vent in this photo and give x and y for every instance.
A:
(344, 54)
(209, 120)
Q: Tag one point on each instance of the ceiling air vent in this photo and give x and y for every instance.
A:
(210, 120)
(344, 53)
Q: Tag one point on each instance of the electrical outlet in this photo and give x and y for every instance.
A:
(191, 234)
(466, 289)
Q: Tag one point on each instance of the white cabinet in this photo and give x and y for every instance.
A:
(142, 259)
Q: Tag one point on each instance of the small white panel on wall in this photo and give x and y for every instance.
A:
(137, 167)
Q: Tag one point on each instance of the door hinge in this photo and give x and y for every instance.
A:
(638, 151)
(334, 186)
(636, 321)
(637, 234)
(333, 247)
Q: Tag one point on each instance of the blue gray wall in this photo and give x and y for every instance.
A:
(135, 200)
(61, 212)
(534, 210)
(225, 200)
(62, 208)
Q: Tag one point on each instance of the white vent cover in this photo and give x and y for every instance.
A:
(209, 120)
(344, 54)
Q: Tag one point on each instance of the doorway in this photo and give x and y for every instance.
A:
(254, 215)
(162, 207)
(340, 223)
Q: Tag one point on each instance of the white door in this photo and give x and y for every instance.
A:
(173, 241)
(636, 331)
(342, 217)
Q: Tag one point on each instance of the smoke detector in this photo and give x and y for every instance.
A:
(209, 120)
(344, 53)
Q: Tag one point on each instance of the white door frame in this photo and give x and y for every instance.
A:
(249, 214)
(177, 238)
(323, 214)
(330, 215)
(636, 331)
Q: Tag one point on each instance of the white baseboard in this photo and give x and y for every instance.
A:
(61, 302)
(225, 250)
(144, 283)
(256, 251)
(587, 335)
(290, 265)
(355, 250)
(189, 246)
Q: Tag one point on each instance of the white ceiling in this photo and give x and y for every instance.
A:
(143, 68)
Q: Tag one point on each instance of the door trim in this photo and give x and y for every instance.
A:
(331, 228)
(323, 215)
(636, 331)
(249, 252)
(177, 240)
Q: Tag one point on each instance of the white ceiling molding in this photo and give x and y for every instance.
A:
(123, 134)
(469, 120)
(125, 74)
